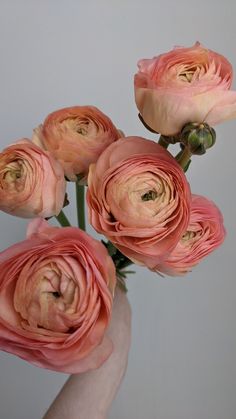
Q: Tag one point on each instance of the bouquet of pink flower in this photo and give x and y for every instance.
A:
(57, 286)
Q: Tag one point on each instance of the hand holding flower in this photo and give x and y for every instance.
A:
(90, 395)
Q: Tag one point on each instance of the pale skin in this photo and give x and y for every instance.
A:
(90, 395)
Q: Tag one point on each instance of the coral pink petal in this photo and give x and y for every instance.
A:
(224, 110)
(36, 226)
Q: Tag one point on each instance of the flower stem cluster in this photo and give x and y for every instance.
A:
(57, 286)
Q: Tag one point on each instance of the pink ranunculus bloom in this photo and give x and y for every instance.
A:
(76, 136)
(204, 234)
(32, 182)
(56, 294)
(184, 85)
(139, 198)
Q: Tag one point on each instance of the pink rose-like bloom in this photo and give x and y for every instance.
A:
(76, 136)
(204, 234)
(56, 295)
(32, 182)
(139, 198)
(184, 85)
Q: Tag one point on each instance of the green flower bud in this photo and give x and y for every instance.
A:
(198, 137)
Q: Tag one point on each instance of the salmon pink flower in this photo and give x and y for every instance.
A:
(32, 182)
(56, 294)
(139, 198)
(204, 234)
(184, 85)
(76, 136)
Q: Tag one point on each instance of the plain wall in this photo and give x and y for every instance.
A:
(57, 53)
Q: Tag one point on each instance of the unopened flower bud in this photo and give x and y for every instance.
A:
(198, 137)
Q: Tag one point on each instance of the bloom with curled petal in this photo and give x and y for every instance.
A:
(184, 85)
(139, 198)
(56, 294)
(32, 182)
(76, 136)
(204, 234)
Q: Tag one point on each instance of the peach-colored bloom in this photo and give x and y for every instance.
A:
(76, 136)
(56, 294)
(204, 234)
(139, 198)
(32, 182)
(184, 85)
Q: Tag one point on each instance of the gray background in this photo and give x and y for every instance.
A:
(57, 53)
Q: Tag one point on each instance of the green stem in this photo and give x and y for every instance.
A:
(62, 219)
(163, 142)
(183, 158)
(80, 206)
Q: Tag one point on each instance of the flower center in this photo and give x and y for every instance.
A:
(82, 131)
(56, 294)
(12, 176)
(150, 195)
(187, 75)
(188, 235)
(80, 126)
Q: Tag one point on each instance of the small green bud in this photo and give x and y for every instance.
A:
(198, 137)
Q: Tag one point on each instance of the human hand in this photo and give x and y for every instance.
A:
(90, 395)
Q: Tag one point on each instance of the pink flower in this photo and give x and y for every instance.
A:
(184, 85)
(32, 182)
(139, 198)
(76, 136)
(204, 234)
(56, 293)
